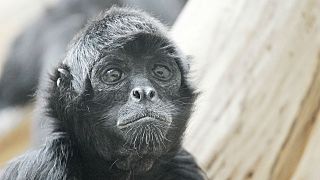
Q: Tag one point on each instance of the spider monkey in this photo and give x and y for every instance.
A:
(119, 103)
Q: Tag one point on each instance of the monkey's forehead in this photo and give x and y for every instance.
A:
(117, 22)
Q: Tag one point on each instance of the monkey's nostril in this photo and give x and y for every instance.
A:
(136, 94)
(151, 94)
(139, 94)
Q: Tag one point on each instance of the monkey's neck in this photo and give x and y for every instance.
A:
(93, 163)
(95, 167)
(92, 166)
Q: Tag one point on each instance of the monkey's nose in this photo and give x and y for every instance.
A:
(141, 93)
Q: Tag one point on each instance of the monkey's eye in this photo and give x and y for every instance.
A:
(111, 76)
(161, 72)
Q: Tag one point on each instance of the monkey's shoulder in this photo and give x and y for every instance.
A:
(47, 163)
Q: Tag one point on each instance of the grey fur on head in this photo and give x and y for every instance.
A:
(100, 33)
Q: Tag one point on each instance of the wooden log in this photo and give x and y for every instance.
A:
(258, 66)
(308, 168)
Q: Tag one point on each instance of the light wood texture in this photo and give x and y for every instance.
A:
(258, 66)
(310, 161)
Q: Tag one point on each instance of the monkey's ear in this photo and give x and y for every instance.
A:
(63, 84)
(62, 76)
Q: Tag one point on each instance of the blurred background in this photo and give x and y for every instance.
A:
(256, 64)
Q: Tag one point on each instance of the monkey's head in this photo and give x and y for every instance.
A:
(122, 91)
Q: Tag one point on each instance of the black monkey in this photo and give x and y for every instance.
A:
(119, 104)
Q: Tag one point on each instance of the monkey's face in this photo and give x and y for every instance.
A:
(139, 106)
(141, 89)
(142, 92)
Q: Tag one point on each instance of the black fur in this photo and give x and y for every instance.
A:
(87, 141)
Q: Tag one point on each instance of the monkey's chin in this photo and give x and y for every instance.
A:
(146, 136)
(145, 141)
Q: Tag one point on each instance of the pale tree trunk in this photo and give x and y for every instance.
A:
(257, 64)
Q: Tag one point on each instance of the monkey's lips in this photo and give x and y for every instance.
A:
(143, 118)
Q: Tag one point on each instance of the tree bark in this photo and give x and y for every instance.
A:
(257, 64)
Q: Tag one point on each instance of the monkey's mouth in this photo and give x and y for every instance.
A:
(148, 116)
